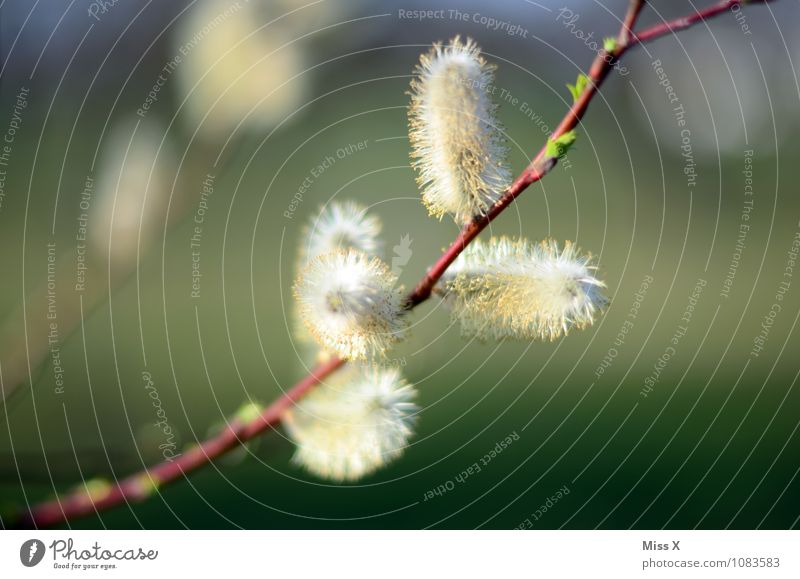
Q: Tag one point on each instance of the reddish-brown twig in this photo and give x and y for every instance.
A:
(678, 24)
(141, 485)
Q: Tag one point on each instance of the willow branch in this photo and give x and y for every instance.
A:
(678, 24)
(141, 485)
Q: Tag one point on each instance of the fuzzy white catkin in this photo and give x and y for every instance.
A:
(457, 146)
(516, 289)
(354, 424)
(351, 304)
(339, 226)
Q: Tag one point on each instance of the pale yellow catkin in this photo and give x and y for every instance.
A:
(457, 145)
(508, 288)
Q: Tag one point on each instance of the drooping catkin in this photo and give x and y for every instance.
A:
(351, 304)
(513, 288)
(457, 145)
(353, 424)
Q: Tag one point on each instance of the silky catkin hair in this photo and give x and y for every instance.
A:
(351, 303)
(515, 289)
(457, 146)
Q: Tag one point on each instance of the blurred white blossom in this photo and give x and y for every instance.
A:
(354, 424)
(239, 64)
(341, 226)
(132, 190)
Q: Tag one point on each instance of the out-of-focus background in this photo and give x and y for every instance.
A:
(158, 164)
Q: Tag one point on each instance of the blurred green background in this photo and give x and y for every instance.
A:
(259, 99)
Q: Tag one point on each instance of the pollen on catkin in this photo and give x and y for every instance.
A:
(354, 424)
(341, 226)
(351, 304)
(508, 288)
(457, 146)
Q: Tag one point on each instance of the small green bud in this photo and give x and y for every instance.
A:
(248, 412)
(579, 86)
(610, 44)
(95, 489)
(146, 485)
(235, 455)
(557, 148)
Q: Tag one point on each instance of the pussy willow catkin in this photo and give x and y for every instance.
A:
(353, 424)
(457, 145)
(351, 304)
(514, 288)
(349, 300)
(341, 225)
